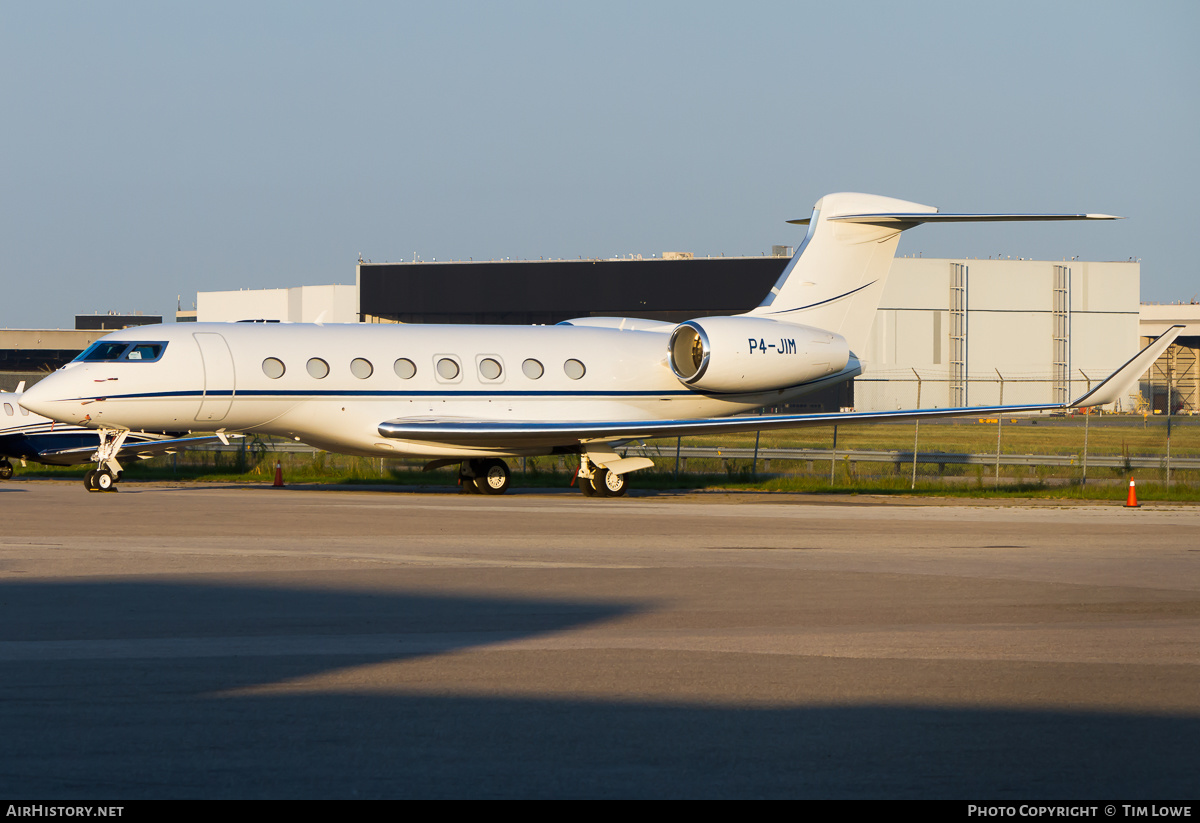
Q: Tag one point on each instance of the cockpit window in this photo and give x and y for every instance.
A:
(145, 351)
(103, 351)
(110, 350)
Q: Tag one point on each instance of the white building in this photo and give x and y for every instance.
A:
(963, 329)
(300, 304)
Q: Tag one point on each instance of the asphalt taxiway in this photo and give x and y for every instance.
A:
(224, 641)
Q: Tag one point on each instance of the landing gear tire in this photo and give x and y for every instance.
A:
(89, 480)
(6, 470)
(608, 484)
(494, 477)
(585, 486)
(104, 481)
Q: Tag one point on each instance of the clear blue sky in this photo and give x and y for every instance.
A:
(156, 149)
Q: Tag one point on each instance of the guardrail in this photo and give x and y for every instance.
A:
(905, 458)
(897, 458)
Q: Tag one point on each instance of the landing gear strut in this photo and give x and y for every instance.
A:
(490, 476)
(104, 477)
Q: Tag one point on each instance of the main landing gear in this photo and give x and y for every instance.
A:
(490, 476)
(104, 477)
(6, 470)
(597, 481)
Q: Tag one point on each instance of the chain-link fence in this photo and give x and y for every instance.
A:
(928, 389)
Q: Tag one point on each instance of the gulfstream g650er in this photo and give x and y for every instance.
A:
(477, 394)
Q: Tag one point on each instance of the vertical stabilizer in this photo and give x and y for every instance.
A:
(836, 278)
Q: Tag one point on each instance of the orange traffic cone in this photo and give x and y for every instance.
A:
(1131, 500)
(278, 475)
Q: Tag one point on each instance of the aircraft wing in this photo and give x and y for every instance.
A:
(524, 434)
(143, 449)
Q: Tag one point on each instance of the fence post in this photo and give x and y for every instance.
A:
(1087, 419)
(916, 431)
(833, 456)
(678, 443)
(999, 426)
(754, 466)
(1170, 403)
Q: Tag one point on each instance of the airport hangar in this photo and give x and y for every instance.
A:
(958, 332)
(966, 331)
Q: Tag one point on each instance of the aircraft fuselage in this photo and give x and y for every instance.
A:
(332, 385)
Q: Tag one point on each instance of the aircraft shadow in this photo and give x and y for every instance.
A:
(119, 689)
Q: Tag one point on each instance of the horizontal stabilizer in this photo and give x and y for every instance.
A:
(909, 219)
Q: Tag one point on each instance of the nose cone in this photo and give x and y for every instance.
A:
(51, 397)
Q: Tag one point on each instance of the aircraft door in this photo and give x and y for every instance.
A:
(219, 383)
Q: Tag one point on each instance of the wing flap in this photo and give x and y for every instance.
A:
(532, 434)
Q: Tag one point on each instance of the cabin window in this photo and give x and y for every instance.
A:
(405, 368)
(24, 411)
(273, 368)
(533, 369)
(318, 368)
(360, 368)
(447, 369)
(8, 409)
(489, 368)
(574, 369)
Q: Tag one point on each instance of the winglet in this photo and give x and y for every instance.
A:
(1119, 382)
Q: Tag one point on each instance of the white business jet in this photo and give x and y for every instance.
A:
(474, 395)
(26, 436)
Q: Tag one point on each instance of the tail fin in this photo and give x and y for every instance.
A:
(836, 278)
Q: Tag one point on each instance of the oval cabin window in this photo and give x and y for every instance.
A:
(533, 369)
(447, 368)
(574, 369)
(273, 368)
(405, 368)
(360, 368)
(489, 369)
(318, 368)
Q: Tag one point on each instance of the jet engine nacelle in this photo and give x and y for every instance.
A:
(747, 354)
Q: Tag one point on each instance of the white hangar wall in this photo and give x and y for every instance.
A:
(961, 329)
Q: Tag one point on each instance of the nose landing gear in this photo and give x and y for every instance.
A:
(104, 477)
